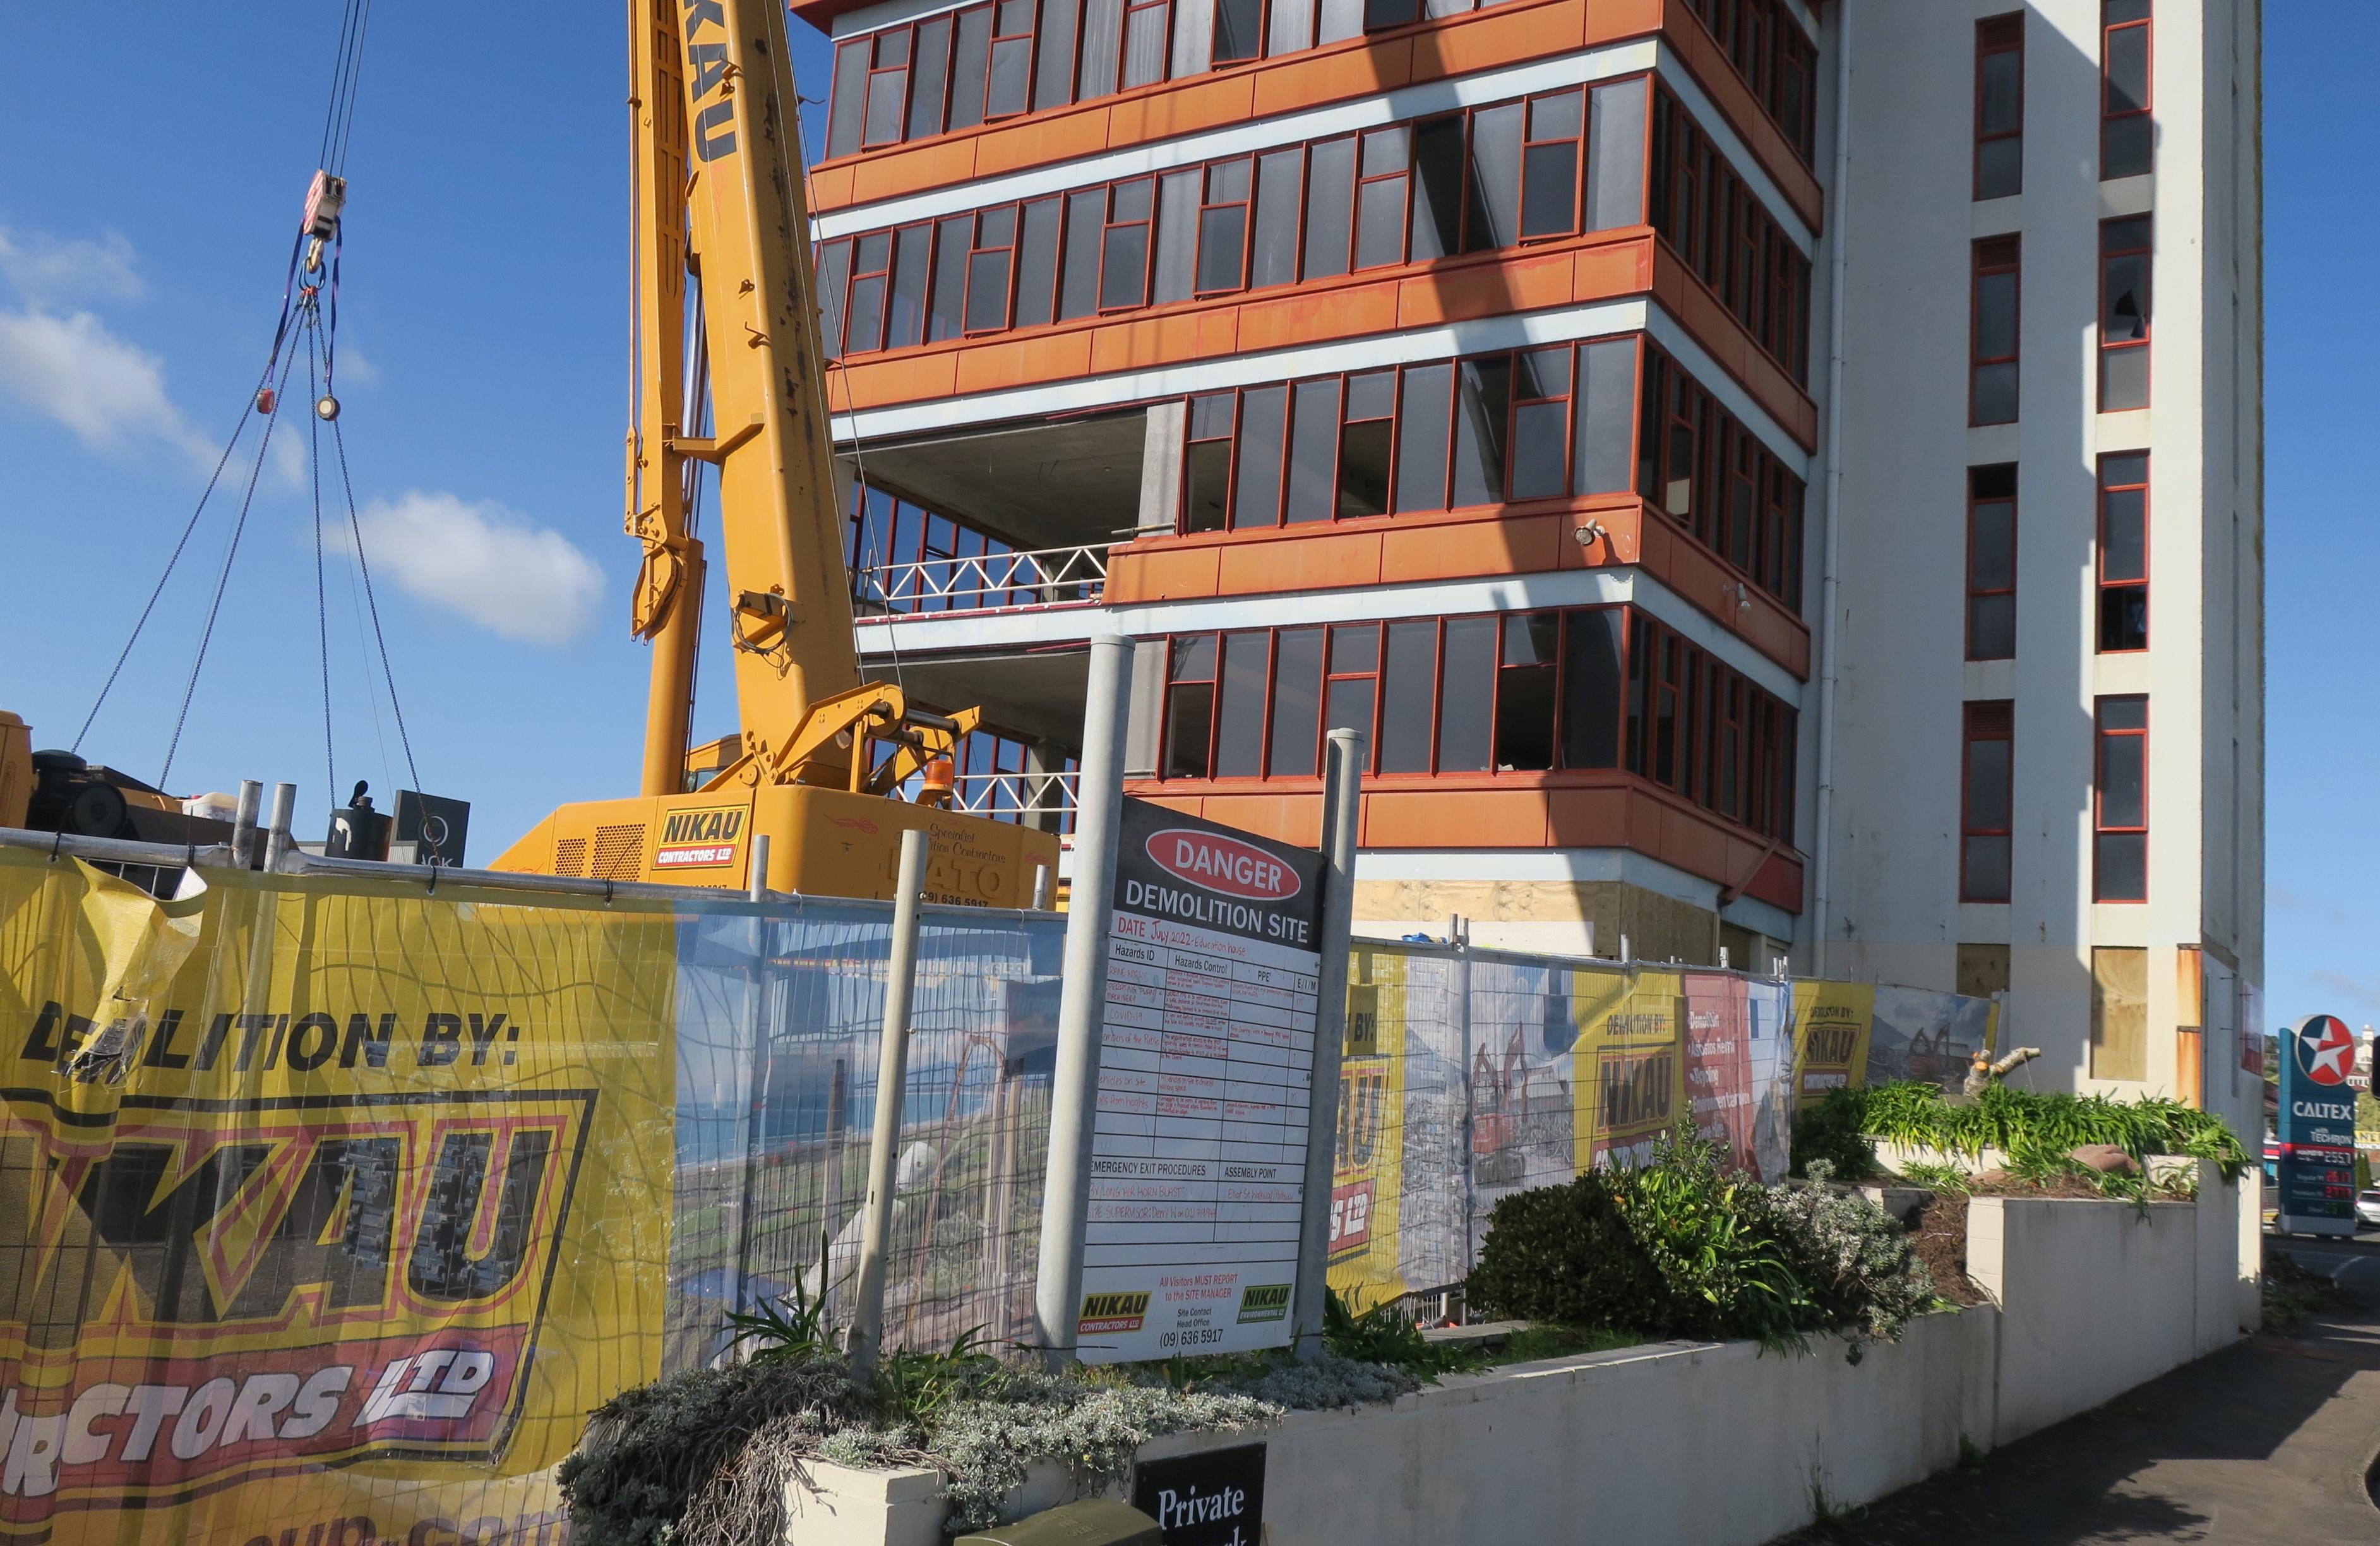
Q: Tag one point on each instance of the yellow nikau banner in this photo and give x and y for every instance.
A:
(1831, 1024)
(1367, 1185)
(1631, 1079)
(323, 1208)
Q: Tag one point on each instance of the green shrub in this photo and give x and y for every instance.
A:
(1832, 1133)
(2028, 1126)
(1680, 1248)
(1564, 1254)
(1854, 1261)
(1712, 1238)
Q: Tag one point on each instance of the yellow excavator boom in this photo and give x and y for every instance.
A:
(719, 198)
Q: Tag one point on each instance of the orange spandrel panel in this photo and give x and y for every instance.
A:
(1295, 317)
(1487, 39)
(1610, 269)
(1164, 340)
(1587, 818)
(1515, 284)
(1696, 844)
(1330, 561)
(1622, 522)
(1454, 551)
(1779, 883)
(1161, 574)
(830, 189)
(1455, 818)
(1609, 20)
(1181, 108)
(1283, 818)
(889, 174)
(1297, 82)
(1037, 139)
(988, 367)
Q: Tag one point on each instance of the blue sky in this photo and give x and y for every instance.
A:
(147, 210)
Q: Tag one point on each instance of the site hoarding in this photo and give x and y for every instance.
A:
(558, 1138)
(307, 1195)
(1205, 1084)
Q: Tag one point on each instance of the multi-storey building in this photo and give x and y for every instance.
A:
(1620, 411)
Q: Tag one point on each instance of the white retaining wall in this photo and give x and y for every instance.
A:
(2099, 1298)
(1716, 1443)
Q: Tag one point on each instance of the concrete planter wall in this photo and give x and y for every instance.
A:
(1714, 1442)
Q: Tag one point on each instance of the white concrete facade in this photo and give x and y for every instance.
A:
(1886, 900)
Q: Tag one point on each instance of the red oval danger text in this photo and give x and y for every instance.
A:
(1224, 864)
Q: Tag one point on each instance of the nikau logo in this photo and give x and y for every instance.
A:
(714, 125)
(1223, 864)
(692, 839)
(312, 1279)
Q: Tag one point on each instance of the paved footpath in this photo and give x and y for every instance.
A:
(2265, 1444)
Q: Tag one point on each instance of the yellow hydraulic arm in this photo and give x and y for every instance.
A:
(719, 196)
(719, 200)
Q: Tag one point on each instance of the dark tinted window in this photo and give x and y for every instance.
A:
(1256, 501)
(1296, 702)
(1329, 197)
(1314, 437)
(1274, 258)
(1467, 691)
(1408, 695)
(1591, 707)
(1239, 731)
(1421, 437)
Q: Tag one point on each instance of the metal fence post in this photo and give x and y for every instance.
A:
(757, 1096)
(1467, 1158)
(1066, 1189)
(892, 1073)
(1342, 791)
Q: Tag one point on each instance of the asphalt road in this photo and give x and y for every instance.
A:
(2268, 1442)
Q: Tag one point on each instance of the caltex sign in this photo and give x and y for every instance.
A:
(2316, 1127)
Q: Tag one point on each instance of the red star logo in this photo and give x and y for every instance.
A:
(2326, 1050)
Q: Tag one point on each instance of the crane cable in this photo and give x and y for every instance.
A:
(270, 407)
(301, 306)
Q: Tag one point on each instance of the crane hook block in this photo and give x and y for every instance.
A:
(325, 197)
(326, 407)
(264, 400)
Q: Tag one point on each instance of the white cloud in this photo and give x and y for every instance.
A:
(110, 393)
(353, 367)
(47, 271)
(483, 563)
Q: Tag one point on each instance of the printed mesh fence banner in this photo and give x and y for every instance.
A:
(330, 1209)
(1471, 1074)
(334, 1207)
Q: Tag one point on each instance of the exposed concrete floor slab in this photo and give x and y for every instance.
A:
(2267, 1441)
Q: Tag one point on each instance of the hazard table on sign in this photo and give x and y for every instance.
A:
(1198, 1153)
